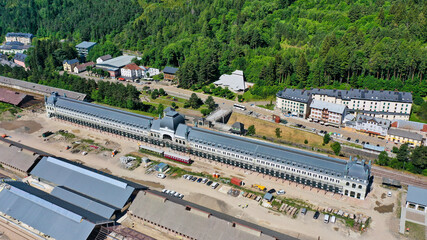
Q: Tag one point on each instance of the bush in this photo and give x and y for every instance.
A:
(336, 147)
(326, 139)
(306, 141)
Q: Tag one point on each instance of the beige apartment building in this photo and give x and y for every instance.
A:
(294, 102)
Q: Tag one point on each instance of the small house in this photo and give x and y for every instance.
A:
(170, 73)
(103, 58)
(161, 167)
(70, 64)
(268, 197)
(238, 128)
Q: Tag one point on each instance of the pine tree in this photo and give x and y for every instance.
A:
(302, 70)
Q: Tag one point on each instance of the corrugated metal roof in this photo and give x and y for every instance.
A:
(170, 70)
(417, 195)
(110, 114)
(11, 97)
(175, 216)
(48, 214)
(405, 134)
(331, 107)
(17, 158)
(267, 151)
(87, 181)
(83, 201)
(117, 62)
(85, 44)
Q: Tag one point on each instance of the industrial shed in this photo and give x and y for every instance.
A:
(12, 97)
(188, 220)
(17, 157)
(95, 185)
(47, 214)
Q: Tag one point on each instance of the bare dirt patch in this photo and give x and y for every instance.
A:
(24, 126)
(145, 183)
(209, 202)
(75, 131)
(336, 229)
(383, 208)
(383, 196)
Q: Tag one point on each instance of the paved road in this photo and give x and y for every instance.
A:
(404, 178)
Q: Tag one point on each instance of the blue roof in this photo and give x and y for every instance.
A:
(85, 202)
(12, 34)
(102, 112)
(269, 152)
(170, 70)
(268, 196)
(373, 147)
(417, 195)
(85, 44)
(162, 165)
(72, 61)
(20, 57)
(46, 213)
(110, 190)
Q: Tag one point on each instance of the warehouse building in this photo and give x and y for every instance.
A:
(18, 158)
(98, 192)
(186, 220)
(39, 211)
(12, 97)
(351, 178)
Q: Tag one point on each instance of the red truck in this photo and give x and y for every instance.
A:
(236, 181)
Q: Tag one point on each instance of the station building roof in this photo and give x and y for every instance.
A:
(105, 188)
(46, 213)
(110, 114)
(268, 152)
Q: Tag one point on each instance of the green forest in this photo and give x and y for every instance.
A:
(375, 44)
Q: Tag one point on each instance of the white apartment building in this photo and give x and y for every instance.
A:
(294, 101)
(24, 38)
(132, 71)
(327, 113)
(372, 125)
(380, 104)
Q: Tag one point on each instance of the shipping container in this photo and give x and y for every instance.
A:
(236, 181)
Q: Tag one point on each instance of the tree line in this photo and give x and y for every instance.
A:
(412, 160)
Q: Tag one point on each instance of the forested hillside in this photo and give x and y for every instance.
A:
(375, 44)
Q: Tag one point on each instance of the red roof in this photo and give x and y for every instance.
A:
(84, 65)
(132, 66)
(394, 124)
(11, 97)
(424, 128)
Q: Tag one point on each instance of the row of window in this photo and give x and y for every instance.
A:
(269, 164)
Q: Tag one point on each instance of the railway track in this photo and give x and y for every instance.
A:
(14, 233)
(402, 177)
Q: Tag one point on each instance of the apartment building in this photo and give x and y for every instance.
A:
(327, 113)
(350, 178)
(403, 136)
(24, 38)
(380, 104)
(372, 125)
(294, 102)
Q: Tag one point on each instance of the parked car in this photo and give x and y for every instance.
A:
(176, 194)
(209, 183)
(304, 211)
(164, 190)
(357, 141)
(185, 176)
(167, 191)
(349, 138)
(333, 219)
(199, 180)
(189, 177)
(367, 143)
(272, 191)
(172, 193)
(161, 175)
(194, 179)
(389, 194)
(204, 180)
(215, 185)
(316, 215)
(181, 196)
(281, 192)
(363, 142)
(326, 218)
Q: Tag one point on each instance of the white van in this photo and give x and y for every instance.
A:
(333, 219)
(326, 219)
(214, 185)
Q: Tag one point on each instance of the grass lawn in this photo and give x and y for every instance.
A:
(416, 231)
(268, 129)
(4, 107)
(268, 106)
(250, 98)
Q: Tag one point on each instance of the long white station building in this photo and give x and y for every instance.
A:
(350, 178)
